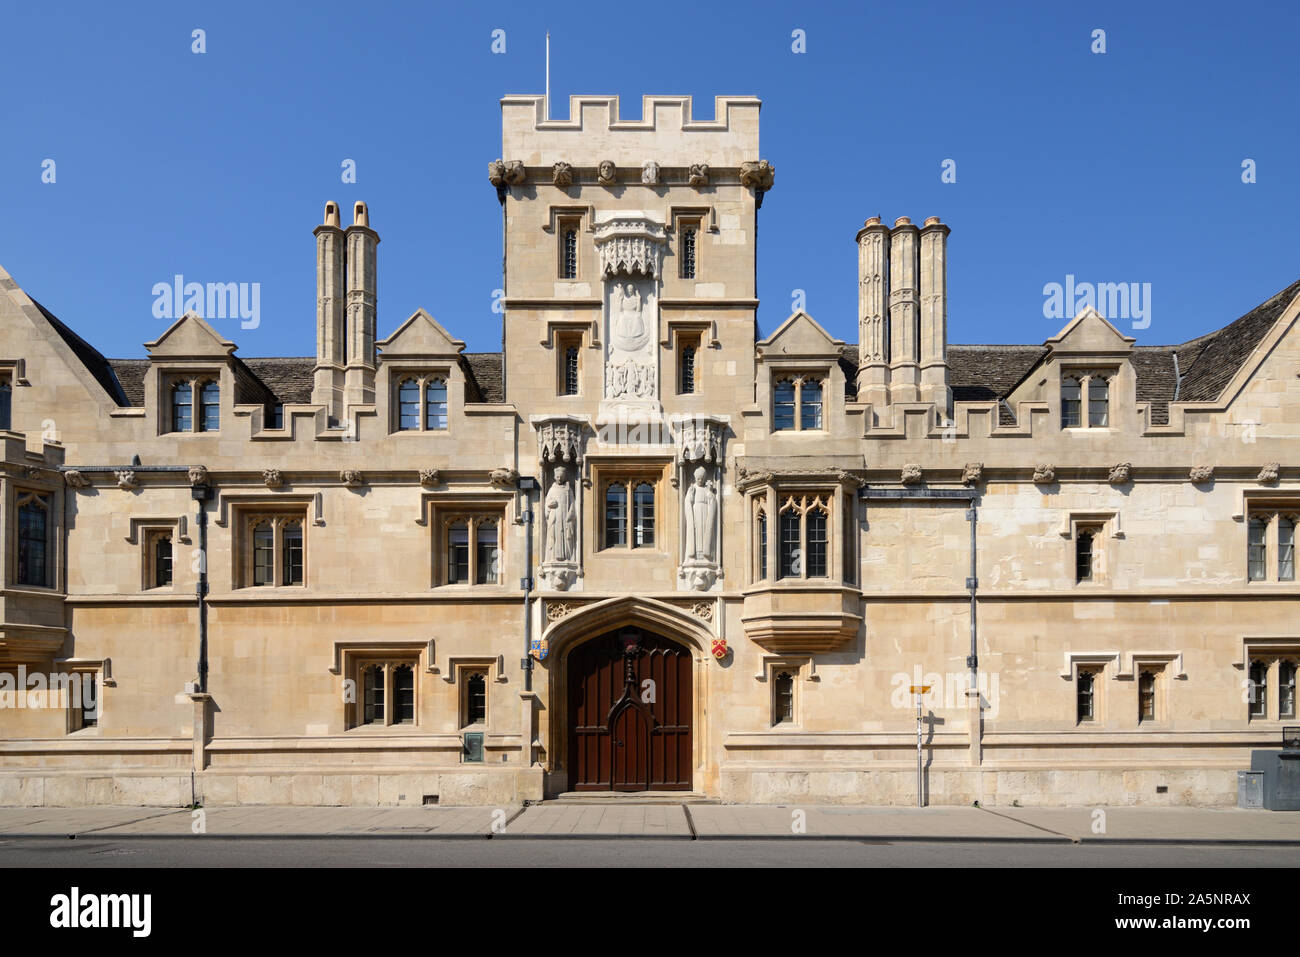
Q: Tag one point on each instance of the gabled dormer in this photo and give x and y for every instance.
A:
(1086, 377)
(421, 383)
(192, 385)
(799, 385)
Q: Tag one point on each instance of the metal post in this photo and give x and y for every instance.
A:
(920, 690)
(920, 775)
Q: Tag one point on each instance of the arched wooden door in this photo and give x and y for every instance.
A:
(630, 707)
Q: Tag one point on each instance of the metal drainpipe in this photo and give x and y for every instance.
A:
(972, 583)
(502, 192)
(201, 593)
(527, 584)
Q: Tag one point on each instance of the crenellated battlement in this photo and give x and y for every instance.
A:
(667, 132)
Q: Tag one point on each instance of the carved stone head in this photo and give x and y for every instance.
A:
(650, 173)
(608, 173)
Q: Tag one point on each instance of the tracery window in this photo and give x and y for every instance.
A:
(804, 530)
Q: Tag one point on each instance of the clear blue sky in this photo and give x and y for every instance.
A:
(1121, 167)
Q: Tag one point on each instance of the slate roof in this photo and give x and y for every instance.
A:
(95, 363)
(977, 373)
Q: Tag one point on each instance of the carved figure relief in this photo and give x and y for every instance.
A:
(561, 518)
(701, 519)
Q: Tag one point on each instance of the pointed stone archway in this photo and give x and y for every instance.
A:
(594, 698)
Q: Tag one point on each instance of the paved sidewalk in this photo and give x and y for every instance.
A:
(671, 821)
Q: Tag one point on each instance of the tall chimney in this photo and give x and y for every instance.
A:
(873, 324)
(362, 241)
(327, 384)
(934, 316)
(904, 367)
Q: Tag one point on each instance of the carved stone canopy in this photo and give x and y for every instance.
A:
(699, 440)
(630, 246)
(559, 441)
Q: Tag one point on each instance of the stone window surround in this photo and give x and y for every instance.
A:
(630, 473)
(1271, 650)
(804, 503)
(837, 498)
(564, 222)
(799, 376)
(423, 378)
(389, 661)
(1271, 509)
(196, 379)
(564, 339)
(441, 509)
(279, 512)
(1083, 373)
(102, 669)
(459, 669)
(1098, 671)
(1105, 526)
(682, 222)
(150, 536)
(17, 494)
(803, 669)
(473, 520)
(349, 654)
(1128, 667)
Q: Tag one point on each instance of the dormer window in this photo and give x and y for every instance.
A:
(196, 405)
(422, 404)
(797, 404)
(1085, 398)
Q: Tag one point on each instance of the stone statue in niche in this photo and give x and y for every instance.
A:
(701, 519)
(561, 518)
(630, 328)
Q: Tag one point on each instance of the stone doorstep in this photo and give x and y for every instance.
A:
(628, 798)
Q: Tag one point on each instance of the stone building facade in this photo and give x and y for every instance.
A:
(644, 547)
